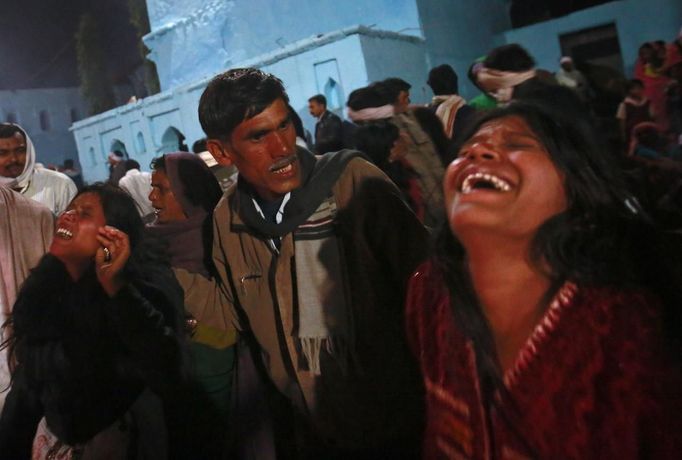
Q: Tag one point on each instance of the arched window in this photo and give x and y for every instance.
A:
(93, 158)
(332, 93)
(120, 146)
(44, 120)
(140, 146)
(172, 141)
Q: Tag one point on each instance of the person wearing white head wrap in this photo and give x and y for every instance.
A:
(19, 171)
(572, 78)
(138, 184)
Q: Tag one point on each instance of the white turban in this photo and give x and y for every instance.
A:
(23, 179)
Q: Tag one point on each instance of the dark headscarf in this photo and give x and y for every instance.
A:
(193, 184)
(198, 192)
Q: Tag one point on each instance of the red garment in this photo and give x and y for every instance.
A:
(673, 54)
(655, 85)
(634, 115)
(592, 382)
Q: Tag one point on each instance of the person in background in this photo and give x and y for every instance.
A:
(226, 176)
(138, 184)
(505, 68)
(448, 105)
(69, 168)
(117, 169)
(20, 172)
(483, 100)
(382, 142)
(183, 194)
(329, 127)
(647, 141)
(674, 92)
(544, 326)
(650, 71)
(634, 109)
(303, 137)
(422, 154)
(673, 56)
(26, 229)
(199, 146)
(397, 92)
(572, 78)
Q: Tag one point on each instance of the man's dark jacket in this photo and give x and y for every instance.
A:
(328, 134)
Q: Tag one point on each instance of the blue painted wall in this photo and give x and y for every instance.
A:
(637, 21)
(55, 144)
(408, 62)
(459, 31)
(191, 39)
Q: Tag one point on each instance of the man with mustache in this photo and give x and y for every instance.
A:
(18, 171)
(314, 254)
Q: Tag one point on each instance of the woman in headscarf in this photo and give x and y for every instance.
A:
(385, 146)
(548, 322)
(184, 193)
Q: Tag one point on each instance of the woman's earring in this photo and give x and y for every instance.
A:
(107, 255)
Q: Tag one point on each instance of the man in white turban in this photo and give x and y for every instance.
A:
(19, 172)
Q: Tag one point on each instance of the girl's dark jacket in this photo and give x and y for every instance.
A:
(84, 358)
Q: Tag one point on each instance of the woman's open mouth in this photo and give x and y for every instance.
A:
(484, 181)
(64, 233)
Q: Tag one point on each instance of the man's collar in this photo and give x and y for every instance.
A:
(323, 114)
(318, 177)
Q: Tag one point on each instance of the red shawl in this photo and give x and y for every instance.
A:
(592, 382)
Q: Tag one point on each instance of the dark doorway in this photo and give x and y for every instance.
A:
(526, 12)
(596, 45)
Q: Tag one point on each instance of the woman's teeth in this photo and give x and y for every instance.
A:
(64, 233)
(490, 182)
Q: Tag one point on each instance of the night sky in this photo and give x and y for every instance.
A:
(37, 46)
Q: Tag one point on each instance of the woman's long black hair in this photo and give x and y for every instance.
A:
(603, 238)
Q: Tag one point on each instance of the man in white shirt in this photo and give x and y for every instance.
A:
(18, 171)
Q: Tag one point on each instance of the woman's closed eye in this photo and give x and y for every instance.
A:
(519, 145)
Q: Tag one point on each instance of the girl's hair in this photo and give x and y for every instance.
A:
(603, 238)
(119, 210)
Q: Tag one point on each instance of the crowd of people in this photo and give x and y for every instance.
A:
(481, 279)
